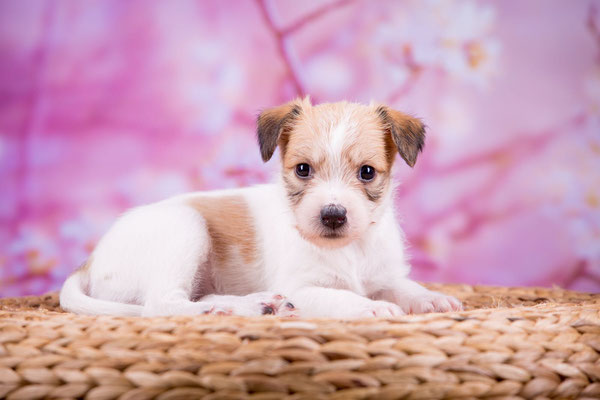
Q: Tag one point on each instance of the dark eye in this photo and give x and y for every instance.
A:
(303, 170)
(366, 173)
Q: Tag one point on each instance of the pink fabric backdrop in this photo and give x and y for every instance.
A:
(106, 105)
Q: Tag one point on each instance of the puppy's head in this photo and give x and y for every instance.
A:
(336, 163)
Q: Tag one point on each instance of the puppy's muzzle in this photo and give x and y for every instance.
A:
(333, 216)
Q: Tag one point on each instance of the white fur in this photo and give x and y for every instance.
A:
(146, 265)
(154, 259)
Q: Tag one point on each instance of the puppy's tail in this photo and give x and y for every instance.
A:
(73, 299)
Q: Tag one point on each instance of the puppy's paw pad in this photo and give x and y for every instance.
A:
(268, 308)
(287, 309)
(219, 311)
(273, 304)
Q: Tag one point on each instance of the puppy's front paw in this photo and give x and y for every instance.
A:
(381, 309)
(431, 302)
(219, 310)
(272, 304)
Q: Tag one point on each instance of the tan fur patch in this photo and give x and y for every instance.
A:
(83, 272)
(230, 227)
(365, 141)
(86, 265)
(369, 148)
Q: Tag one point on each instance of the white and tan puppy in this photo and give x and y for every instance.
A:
(320, 242)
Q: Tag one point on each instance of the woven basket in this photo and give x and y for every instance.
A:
(509, 343)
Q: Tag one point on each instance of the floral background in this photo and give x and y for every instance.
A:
(106, 105)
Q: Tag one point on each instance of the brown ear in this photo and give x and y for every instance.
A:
(408, 133)
(272, 123)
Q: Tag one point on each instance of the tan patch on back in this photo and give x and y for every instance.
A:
(230, 227)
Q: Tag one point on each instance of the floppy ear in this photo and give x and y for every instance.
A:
(272, 123)
(408, 133)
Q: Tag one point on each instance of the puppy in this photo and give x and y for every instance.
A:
(320, 242)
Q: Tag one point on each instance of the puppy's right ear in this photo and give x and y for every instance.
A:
(273, 123)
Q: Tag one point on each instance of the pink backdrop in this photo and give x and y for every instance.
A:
(109, 104)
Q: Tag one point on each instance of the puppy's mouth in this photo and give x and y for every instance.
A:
(325, 236)
(332, 235)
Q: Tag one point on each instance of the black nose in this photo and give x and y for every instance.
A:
(333, 216)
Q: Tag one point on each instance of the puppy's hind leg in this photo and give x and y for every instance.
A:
(178, 247)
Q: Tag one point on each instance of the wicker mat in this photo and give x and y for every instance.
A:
(509, 343)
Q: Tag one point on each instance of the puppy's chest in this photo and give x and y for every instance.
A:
(348, 270)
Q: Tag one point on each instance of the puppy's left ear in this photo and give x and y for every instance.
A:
(273, 123)
(408, 133)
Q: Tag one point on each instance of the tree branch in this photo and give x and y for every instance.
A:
(283, 46)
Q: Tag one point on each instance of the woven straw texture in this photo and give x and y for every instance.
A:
(509, 343)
